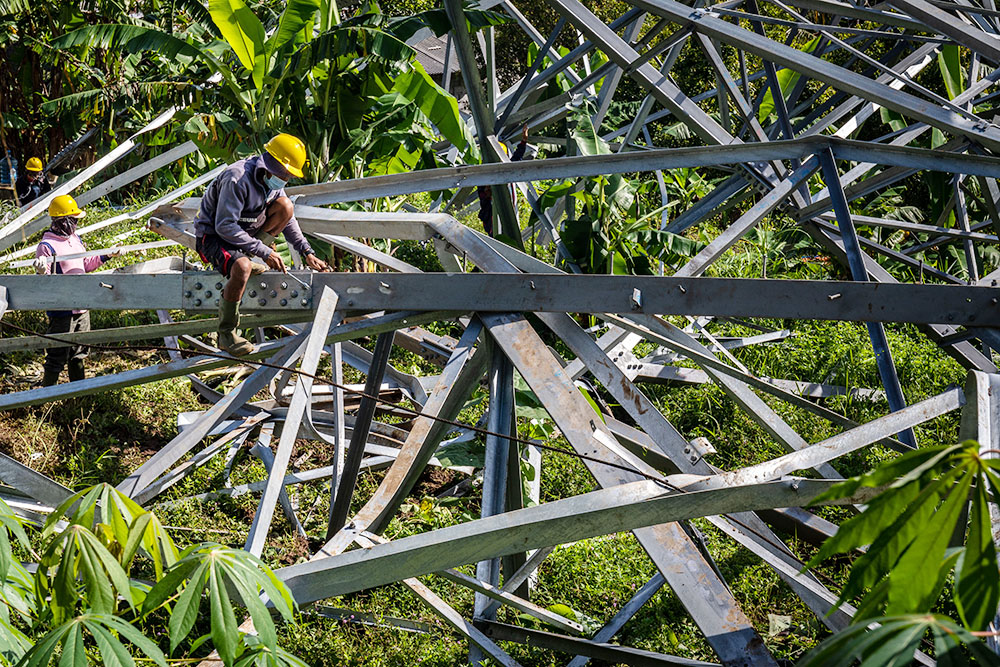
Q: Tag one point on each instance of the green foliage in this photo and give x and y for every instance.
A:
(950, 63)
(244, 33)
(82, 603)
(77, 569)
(220, 571)
(105, 630)
(320, 78)
(893, 641)
(611, 234)
(438, 106)
(909, 528)
(913, 531)
(787, 78)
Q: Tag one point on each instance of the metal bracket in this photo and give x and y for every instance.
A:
(699, 448)
(267, 291)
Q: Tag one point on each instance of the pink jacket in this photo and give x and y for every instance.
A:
(55, 245)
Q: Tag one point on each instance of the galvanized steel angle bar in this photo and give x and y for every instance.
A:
(515, 102)
(564, 63)
(724, 625)
(697, 354)
(37, 207)
(831, 73)
(628, 610)
(623, 507)
(662, 88)
(964, 352)
(483, 116)
(784, 189)
(841, 444)
(312, 343)
(340, 504)
(706, 597)
(31, 482)
(172, 452)
(233, 438)
(498, 452)
(493, 592)
(981, 422)
(460, 374)
(262, 450)
(901, 256)
(670, 441)
(611, 653)
(138, 332)
(876, 331)
(446, 612)
(960, 31)
(911, 64)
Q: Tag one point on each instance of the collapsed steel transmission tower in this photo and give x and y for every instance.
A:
(652, 478)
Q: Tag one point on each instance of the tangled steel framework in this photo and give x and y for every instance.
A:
(652, 478)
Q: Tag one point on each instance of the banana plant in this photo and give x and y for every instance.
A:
(612, 233)
(310, 73)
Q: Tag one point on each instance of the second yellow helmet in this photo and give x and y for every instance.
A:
(63, 206)
(289, 151)
(33, 164)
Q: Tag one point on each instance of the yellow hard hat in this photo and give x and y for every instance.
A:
(63, 206)
(33, 164)
(289, 151)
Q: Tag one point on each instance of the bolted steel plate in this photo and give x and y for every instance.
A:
(268, 291)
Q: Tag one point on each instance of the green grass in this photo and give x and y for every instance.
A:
(102, 438)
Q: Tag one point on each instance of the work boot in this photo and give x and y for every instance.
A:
(256, 268)
(75, 369)
(228, 339)
(50, 377)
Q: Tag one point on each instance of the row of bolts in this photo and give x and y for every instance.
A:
(253, 293)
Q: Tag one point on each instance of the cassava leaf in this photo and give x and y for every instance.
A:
(891, 641)
(977, 579)
(910, 588)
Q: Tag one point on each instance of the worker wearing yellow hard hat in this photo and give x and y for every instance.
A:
(240, 214)
(61, 240)
(32, 184)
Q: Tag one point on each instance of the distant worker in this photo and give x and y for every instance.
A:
(32, 184)
(241, 213)
(61, 239)
(485, 192)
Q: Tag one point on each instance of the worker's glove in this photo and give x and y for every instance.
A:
(52, 179)
(116, 252)
(41, 266)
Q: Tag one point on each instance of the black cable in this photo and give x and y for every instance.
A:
(328, 380)
(511, 439)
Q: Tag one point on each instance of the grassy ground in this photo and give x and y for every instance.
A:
(103, 437)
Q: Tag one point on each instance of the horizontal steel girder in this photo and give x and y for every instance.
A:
(956, 305)
(662, 158)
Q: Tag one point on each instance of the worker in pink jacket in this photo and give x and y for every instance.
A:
(60, 240)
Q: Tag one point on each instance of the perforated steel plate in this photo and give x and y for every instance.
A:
(268, 291)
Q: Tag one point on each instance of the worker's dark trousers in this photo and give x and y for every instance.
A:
(57, 357)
